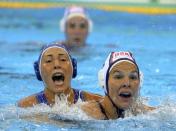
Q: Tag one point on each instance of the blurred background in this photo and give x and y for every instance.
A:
(147, 28)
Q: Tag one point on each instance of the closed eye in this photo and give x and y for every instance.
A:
(134, 76)
(48, 61)
(63, 59)
(82, 25)
(72, 25)
(117, 75)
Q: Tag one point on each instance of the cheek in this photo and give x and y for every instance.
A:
(45, 71)
(84, 32)
(114, 83)
(69, 31)
(135, 86)
(68, 68)
(113, 87)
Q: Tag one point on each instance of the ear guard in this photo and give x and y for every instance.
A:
(101, 78)
(74, 64)
(37, 70)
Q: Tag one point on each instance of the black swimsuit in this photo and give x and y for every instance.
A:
(119, 111)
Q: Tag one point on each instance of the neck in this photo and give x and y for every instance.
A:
(119, 111)
(51, 95)
(113, 112)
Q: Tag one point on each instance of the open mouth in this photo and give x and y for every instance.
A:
(58, 78)
(125, 94)
(77, 40)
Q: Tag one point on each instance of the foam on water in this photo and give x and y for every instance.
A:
(163, 118)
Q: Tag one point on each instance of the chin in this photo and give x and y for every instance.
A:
(59, 89)
(125, 106)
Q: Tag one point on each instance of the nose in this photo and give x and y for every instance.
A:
(56, 64)
(126, 82)
(77, 32)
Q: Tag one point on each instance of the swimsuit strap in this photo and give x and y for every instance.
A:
(103, 111)
(78, 94)
(41, 98)
(81, 95)
(119, 111)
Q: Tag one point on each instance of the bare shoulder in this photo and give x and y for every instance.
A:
(28, 101)
(91, 96)
(92, 109)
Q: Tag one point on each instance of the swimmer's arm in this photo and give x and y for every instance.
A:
(27, 102)
(149, 108)
(90, 96)
(92, 109)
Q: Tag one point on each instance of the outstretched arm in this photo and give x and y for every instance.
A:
(28, 101)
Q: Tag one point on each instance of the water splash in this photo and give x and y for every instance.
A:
(163, 118)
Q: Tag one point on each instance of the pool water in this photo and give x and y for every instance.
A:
(151, 38)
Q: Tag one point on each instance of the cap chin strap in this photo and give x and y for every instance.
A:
(120, 112)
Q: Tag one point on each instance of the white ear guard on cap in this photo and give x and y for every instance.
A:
(102, 74)
(101, 78)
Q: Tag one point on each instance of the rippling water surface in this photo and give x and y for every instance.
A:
(150, 38)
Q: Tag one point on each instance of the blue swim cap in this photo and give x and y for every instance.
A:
(44, 49)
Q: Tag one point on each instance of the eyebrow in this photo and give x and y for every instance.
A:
(49, 55)
(117, 71)
(61, 54)
(52, 55)
(135, 71)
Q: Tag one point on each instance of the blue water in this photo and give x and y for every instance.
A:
(150, 38)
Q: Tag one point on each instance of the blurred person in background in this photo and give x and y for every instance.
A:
(76, 26)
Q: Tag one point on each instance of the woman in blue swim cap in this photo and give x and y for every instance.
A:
(120, 78)
(56, 68)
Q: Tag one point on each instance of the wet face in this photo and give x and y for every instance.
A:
(76, 31)
(56, 70)
(123, 84)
